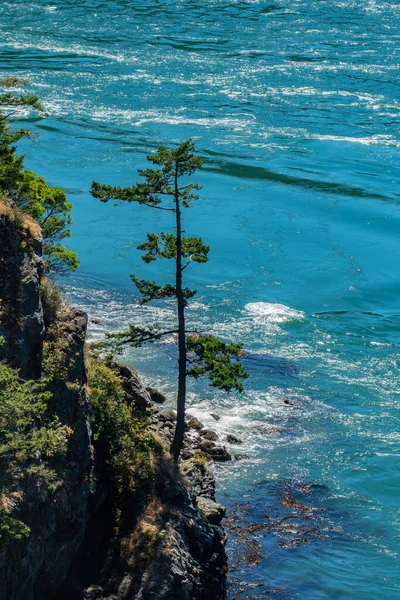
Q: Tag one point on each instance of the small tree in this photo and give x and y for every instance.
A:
(47, 204)
(198, 354)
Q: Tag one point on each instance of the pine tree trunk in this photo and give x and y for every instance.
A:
(181, 399)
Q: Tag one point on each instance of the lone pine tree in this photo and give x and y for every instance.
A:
(198, 353)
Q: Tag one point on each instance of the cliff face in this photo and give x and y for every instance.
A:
(169, 544)
(56, 513)
(21, 269)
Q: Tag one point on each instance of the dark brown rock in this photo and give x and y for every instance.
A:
(241, 456)
(194, 423)
(233, 439)
(217, 453)
(156, 396)
(208, 434)
(167, 416)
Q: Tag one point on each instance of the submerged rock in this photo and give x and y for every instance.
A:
(267, 430)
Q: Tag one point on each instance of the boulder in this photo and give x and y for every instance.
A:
(194, 423)
(135, 393)
(241, 456)
(213, 511)
(208, 434)
(217, 453)
(167, 416)
(233, 439)
(156, 396)
(93, 591)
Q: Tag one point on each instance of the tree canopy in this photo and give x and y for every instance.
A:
(30, 192)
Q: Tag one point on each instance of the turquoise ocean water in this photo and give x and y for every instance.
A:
(295, 106)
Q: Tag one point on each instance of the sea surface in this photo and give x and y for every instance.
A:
(295, 106)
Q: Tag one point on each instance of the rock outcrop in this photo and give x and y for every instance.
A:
(55, 511)
(174, 547)
(170, 543)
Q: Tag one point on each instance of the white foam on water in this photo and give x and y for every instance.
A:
(378, 140)
(274, 313)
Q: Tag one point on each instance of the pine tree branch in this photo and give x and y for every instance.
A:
(158, 207)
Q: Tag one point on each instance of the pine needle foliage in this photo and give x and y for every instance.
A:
(162, 188)
(31, 193)
(29, 439)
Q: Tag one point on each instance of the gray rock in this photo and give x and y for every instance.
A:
(22, 320)
(217, 453)
(135, 393)
(201, 480)
(215, 416)
(213, 511)
(220, 454)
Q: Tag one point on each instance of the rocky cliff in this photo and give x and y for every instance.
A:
(56, 513)
(164, 541)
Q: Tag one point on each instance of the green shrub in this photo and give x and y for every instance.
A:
(55, 348)
(121, 437)
(25, 431)
(11, 529)
(28, 439)
(52, 301)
